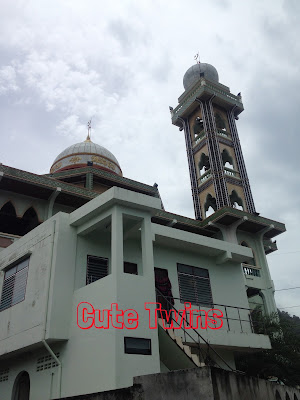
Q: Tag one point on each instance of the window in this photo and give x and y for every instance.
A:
(194, 285)
(97, 268)
(134, 345)
(14, 285)
(130, 268)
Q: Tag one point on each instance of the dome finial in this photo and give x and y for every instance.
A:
(88, 138)
(197, 58)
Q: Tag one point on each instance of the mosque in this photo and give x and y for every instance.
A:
(85, 238)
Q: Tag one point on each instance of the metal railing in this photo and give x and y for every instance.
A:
(234, 318)
(191, 336)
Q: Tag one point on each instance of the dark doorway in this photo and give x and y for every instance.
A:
(21, 387)
(163, 285)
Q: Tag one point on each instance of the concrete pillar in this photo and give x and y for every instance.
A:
(116, 241)
(147, 246)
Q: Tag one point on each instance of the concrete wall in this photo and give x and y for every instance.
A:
(200, 383)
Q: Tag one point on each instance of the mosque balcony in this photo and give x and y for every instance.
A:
(223, 133)
(199, 137)
(205, 177)
(204, 90)
(231, 172)
(250, 270)
(269, 246)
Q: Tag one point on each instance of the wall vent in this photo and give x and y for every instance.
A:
(46, 362)
(4, 375)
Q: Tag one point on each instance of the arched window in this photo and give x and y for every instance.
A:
(198, 127)
(287, 397)
(252, 261)
(220, 123)
(277, 396)
(227, 159)
(29, 220)
(204, 164)
(295, 397)
(236, 201)
(210, 205)
(21, 388)
(8, 219)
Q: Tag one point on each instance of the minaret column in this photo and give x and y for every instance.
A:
(192, 168)
(240, 161)
(215, 158)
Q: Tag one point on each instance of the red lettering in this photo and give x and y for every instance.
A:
(85, 315)
(131, 319)
(214, 319)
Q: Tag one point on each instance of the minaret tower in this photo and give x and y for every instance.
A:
(206, 113)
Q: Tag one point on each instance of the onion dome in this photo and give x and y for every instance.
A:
(80, 155)
(197, 71)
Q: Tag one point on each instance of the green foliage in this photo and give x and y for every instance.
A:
(283, 360)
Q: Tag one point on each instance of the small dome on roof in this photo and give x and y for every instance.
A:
(79, 154)
(197, 71)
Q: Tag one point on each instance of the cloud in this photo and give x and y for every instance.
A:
(8, 80)
(122, 64)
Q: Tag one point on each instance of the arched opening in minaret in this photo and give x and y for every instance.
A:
(198, 127)
(236, 201)
(204, 164)
(227, 159)
(220, 123)
(210, 205)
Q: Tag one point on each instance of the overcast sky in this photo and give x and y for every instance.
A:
(121, 63)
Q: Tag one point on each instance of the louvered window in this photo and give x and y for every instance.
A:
(97, 268)
(14, 285)
(194, 285)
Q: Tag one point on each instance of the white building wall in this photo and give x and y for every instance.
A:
(94, 360)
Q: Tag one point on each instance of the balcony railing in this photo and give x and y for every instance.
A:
(223, 133)
(234, 318)
(199, 137)
(231, 172)
(203, 178)
(250, 270)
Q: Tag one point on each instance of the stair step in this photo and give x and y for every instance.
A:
(196, 360)
(178, 340)
(187, 350)
(184, 347)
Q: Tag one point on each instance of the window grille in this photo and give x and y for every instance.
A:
(130, 268)
(97, 268)
(46, 362)
(4, 375)
(14, 285)
(194, 285)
